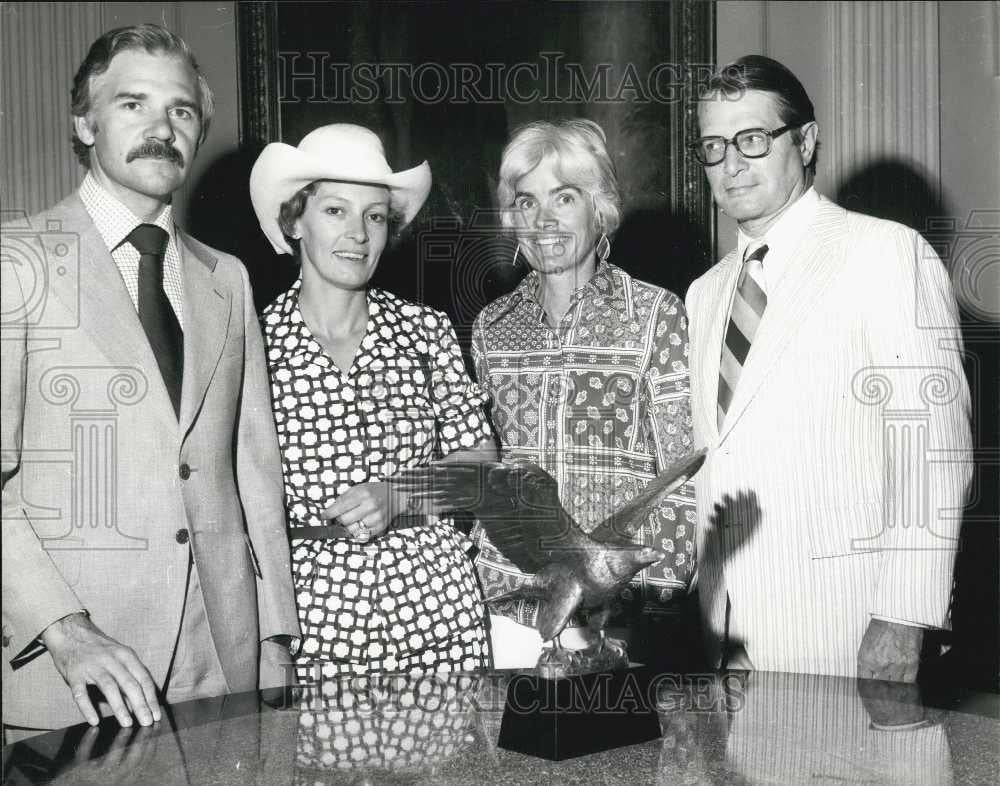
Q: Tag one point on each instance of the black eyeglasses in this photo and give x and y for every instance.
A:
(751, 142)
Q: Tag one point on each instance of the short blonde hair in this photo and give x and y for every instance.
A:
(581, 159)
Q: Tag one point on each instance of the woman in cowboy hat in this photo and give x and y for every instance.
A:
(364, 385)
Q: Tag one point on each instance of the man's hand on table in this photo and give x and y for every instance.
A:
(890, 651)
(85, 656)
(892, 704)
(125, 762)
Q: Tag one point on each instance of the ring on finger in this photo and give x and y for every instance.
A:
(360, 530)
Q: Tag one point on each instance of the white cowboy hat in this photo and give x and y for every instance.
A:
(341, 151)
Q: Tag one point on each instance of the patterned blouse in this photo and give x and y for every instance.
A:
(602, 404)
(406, 400)
(408, 600)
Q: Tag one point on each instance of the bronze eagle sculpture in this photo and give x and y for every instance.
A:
(569, 569)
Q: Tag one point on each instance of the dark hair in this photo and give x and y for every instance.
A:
(291, 210)
(152, 39)
(756, 72)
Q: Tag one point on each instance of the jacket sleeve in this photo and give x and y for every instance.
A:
(916, 349)
(34, 592)
(258, 468)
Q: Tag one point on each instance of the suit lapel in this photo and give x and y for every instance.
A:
(107, 312)
(717, 302)
(814, 268)
(207, 309)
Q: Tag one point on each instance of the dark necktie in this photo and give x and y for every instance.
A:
(155, 312)
(748, 308)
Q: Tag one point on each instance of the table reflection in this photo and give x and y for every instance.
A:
(398, 724)
(733, 728)
(756, 727)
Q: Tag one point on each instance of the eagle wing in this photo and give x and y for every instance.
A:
(516, 503)
(621, 526)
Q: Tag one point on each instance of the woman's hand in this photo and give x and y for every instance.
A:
(366, 510)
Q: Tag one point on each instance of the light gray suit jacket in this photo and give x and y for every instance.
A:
(103, 488)
(834, 488)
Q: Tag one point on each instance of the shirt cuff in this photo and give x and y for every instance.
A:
(897, 621)
(292, 643)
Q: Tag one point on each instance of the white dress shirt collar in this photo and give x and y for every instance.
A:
(114, 221)
(783, 238)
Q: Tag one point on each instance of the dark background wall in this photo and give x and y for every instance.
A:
(523, 58)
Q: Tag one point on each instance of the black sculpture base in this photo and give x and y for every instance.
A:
(573, 716)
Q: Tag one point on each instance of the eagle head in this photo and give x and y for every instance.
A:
(625, 563)
(646, 556)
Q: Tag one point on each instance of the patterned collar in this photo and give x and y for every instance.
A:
(113, 220)
(605, 281)
(296, 339)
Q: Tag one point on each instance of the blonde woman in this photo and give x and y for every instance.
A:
(586, 369)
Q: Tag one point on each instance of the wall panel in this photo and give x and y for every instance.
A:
(42, 44)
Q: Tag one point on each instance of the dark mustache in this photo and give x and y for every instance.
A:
(154, 149)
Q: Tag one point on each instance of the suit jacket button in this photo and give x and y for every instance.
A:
(181, 536)
(184, 471)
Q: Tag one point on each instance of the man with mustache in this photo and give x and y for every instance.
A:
(149, 563)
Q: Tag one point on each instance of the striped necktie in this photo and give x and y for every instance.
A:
(748, 308)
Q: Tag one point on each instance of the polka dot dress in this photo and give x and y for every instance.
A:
(408, 601)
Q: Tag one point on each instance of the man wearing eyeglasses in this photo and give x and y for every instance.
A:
(827, 384)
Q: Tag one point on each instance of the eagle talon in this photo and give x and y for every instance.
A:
(606, 653)
(557, 661)
(615, 646)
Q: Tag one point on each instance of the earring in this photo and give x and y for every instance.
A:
(513, 262)
(603, 248)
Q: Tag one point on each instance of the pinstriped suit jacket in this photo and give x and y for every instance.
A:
(834, 488)
(97, 507)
